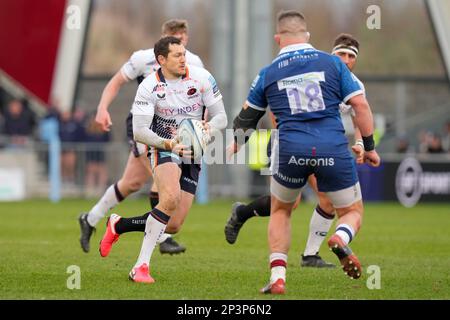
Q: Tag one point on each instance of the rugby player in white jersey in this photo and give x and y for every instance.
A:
(137, 170)
(175, 92)
(347, 48)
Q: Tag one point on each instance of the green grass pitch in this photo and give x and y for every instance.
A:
(39, 241)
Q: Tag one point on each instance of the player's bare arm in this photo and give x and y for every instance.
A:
(358, 147)
(364, 121)
(111, 90)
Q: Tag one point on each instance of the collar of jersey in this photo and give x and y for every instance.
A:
(295, 47)
(161, 78)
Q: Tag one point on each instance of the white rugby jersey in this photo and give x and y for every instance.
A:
(170, 101)
(143, 62)
(346, 108)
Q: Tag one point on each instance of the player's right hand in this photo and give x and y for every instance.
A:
(182, 150)
(103, 119)
(372, 158)
(232, 148)
(358, 150)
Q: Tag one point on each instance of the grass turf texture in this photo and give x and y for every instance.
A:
(39, 240)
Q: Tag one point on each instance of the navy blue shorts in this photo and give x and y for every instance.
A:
(333, 173)
(189, 172)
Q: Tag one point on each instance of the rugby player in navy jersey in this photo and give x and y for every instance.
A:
(304, 88)
(347, 48)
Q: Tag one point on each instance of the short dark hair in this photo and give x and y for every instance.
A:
(289, 14)
(347, 40)
(173, 26)
(162, 46)
(291, 22)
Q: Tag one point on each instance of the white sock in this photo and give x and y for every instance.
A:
(277, 272)
(318, 229)
(346, 233)
(106, 202)
(153, 230)
(163, 238)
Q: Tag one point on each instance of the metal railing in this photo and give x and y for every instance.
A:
(87, 169)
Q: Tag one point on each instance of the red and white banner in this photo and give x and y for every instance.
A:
(35, 37)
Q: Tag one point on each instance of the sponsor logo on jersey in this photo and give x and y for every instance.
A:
(140, 103)
(180, 110)
(255, 81)
(191, 91)
(160, 90)
(160, 87)
(213, 84)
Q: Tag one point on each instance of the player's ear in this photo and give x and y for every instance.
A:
(308, 36)
(277, 38)
(161, 59)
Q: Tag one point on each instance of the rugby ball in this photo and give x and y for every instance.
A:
(192, 134)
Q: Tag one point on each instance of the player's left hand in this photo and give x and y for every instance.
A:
(358, 150)
(206, 126)
(372, 158)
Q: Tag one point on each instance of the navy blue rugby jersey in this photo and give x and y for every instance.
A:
(304, 87)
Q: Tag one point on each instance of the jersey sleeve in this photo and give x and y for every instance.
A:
(349, 85)
(360, 83)
(256, 97)
(210, 90)
(195, 60)
(134, 67)
(143, 102)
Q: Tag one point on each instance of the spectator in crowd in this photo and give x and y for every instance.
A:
(446, 137)
(424, 140)
(71, 130)
(402, 145)
(435, 144)
(96, 172)
(19, 122)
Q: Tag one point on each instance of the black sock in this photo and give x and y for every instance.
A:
(259, 207)
(154, 199)
(125, 225)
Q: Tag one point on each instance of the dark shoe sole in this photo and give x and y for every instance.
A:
(85, 245)
(350, 263)
(230, 233)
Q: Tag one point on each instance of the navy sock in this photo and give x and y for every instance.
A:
(258, 207)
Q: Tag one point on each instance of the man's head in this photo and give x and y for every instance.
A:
(15, 108)
(347, 48)
(177, 28)
(171, 55)
(291, 28)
